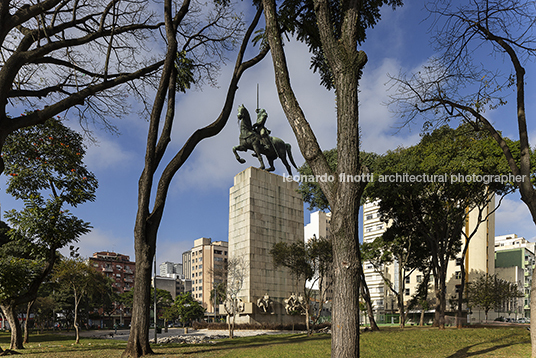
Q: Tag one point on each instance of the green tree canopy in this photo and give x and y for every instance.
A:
(187, 309)
(454, 171)
(45, 170)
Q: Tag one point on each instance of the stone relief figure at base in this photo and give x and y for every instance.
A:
(257, 138)
(295, 304)
(228, 305)
(265, 304)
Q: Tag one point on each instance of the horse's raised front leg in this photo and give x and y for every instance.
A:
(239, 148)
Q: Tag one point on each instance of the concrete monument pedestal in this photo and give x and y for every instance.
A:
(264, 209)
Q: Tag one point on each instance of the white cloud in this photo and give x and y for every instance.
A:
(99, 240)
(513, 217)
(107, 153)
(379, 127)
(213, 164)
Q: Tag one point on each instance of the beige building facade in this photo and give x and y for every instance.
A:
(207, 260)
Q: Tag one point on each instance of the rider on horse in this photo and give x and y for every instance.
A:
(260, 129)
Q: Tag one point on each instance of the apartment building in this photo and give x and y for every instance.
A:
(116, 266)
(480, 259)
(205, 265)
(515, 262)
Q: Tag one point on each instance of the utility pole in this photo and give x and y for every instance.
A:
(154, 285)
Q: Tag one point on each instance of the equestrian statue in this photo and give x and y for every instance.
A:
(257, 137)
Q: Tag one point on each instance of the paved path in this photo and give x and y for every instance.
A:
(122, 334)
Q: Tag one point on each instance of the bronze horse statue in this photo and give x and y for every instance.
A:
(271, 147)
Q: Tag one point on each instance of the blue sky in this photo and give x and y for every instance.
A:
(198, 200)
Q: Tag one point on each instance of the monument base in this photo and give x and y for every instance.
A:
(254, 315)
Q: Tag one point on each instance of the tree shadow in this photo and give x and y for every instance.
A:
(464, 352)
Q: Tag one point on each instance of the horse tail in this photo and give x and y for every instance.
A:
(288, 147)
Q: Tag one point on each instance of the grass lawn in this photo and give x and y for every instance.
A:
(411, 342)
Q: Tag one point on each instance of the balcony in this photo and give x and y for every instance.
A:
(107, 269)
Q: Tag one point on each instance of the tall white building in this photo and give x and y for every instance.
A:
(171, 269)
(373, 227)
(318, 225)
(480, 259)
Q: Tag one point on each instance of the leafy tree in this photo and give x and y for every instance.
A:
(490, 292)
(79, 278)
(308, 262)
(58, 55)
(434, 208)
(214, 36)
(187, 309)
(457, 85)
(420, 298)
(45, 169)
(407, 251)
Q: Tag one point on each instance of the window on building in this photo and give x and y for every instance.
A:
(368, 217)
(200, 259)
(459, 261)
(419, 278)
(218, 252)
(201, 281)
(225, 253)
(407, 292)
(218, 259)
(200, 295)
(458, 287)
(368, 229)
(379, 303)
(379, 227)
(200, 267)
(408, 279)
(458, 275)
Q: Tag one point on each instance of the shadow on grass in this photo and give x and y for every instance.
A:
(464, 352)
(250, 343)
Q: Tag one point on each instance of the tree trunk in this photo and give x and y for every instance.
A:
(26, 338)
(16, 331)
(401, 293)
(229, 325)
(421, 321)
(459, 312)
(138, 340)
(344, 197)
(365, 293)
(440, 306)
(75, 320)
(235, 309)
